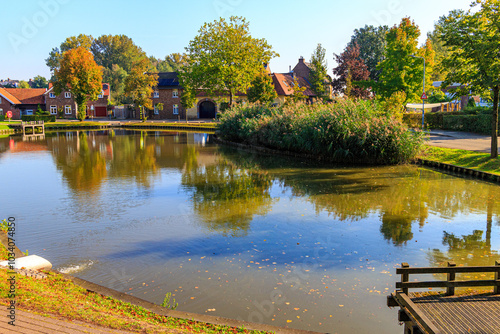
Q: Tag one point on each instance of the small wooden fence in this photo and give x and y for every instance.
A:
(433, 313)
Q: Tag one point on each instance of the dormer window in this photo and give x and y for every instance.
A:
(67, 95)
(156, 94)
(52, 95)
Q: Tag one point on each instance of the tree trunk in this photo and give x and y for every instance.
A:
(230, 98)
(494, 123)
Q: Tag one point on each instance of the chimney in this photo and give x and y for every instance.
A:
(301, 60)
(290, 69)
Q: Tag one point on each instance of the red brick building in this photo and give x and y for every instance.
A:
(21, 101)
(167, 92)
(64, 104)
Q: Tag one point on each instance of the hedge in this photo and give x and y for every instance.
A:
(468, 123)
(30, 118)
(2, 118)
(432, 120)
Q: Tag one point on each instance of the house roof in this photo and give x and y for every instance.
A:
(27, 95)
(8, 96)
(168, 79)
(284, 83)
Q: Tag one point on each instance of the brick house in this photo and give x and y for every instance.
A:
(21, 101)
(167, 92)
(284, 86)
(65, 104)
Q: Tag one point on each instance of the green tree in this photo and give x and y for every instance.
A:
(40, 82)
(401, 72)
(172, 63)
(298, 92)
(23, 84)
(262, 89)
(78, 73)
(139, 85)
(474, 40)
(319, 79)
(440, 70)
(372, 43)
(225, 58)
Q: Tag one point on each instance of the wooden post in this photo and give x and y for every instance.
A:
(405, 277)
(450, 291)
(496, 289)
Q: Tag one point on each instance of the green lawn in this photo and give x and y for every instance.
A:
(469, 159)
(73, 124)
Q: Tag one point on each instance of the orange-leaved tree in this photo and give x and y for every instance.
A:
(79, 73)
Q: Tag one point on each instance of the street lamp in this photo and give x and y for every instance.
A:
(423, 95)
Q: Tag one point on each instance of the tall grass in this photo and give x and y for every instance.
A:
(345, 131)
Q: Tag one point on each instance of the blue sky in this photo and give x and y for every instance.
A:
(293, 28)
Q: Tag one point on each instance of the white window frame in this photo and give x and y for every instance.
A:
(1, 111)
(175, 93)
(156, 94)
(67, 110)
(176, 109)
(53, 110)
(52, 95)
(67, 95)
(156, 110)
(100, 96)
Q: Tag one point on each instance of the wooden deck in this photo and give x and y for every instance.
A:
(30, 323)
(447, 313)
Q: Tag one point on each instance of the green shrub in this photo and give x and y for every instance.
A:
(432, 120)
(344, 131)
(468, 123)
(29, 118)
(2, 118)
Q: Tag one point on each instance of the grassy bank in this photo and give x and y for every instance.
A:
(74, 125)
(58, 296)
(346, 131)
(469, 159)
(202, 125)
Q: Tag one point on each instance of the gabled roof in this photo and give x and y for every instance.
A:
(27, 95)
(168, 79)
(284, 84)
(9, 97)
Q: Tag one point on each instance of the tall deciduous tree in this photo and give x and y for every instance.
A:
(350, 70)
(262, 89)
(79, 73)
(319, 79)
(224, 58)
(23, 84)
(440, 70)
(39, 82)
(474, 42)
(400, 71)
(372, 42)
(70, 43)
(172, 62)
(139, 85)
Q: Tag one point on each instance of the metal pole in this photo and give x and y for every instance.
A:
(423, 100)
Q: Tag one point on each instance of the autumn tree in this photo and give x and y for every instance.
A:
(473, 39)
(372, 42)
(400, 71)
(79, 73)
(350, 70)
(319, 79)
(139, 85)
(224, 58)
(262, 89)
(70, 43)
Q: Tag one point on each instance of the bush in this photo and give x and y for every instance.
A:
(2, 118)
(468, 123)
(345, 131)
(432, 120)
(29, 118)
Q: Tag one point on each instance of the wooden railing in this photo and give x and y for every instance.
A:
(450, 284)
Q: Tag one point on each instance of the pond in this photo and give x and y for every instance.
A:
(230, 233)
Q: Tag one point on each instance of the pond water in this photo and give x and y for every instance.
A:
(235, 234)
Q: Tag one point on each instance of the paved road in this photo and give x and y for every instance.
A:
(460, 140)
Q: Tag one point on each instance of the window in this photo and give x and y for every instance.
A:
(1, 111)
(176, 109)
(52, 95)
(0, 99)
(53, 110)
(100, 96)
(67, 95)
(67, 110)
(156, 94)
(175, 93)
(156, 110)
